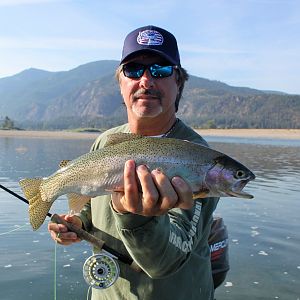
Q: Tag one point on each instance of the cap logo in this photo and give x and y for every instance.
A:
(150, 38)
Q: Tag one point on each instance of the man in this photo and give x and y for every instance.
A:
(161, 228)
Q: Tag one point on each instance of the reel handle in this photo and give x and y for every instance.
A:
(100, 244)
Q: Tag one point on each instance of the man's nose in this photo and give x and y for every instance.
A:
(146, 81)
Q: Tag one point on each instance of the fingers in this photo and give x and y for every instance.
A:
(168, 197)
(127, 201)
(60, 233)
(131, 197)
(184, 192)
(166, 194)
(151, 193)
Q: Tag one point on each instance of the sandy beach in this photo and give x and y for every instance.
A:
(292, 134)
(261, 133)
(48, 134)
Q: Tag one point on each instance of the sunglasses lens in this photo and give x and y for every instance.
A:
(158, 71)
(133, 70)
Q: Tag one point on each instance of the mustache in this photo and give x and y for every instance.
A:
(150, 92)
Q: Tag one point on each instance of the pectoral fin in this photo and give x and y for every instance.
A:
(77, 201)
(201, 194)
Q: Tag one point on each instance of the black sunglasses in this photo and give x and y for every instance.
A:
(135, 70)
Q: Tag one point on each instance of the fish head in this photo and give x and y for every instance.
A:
(228, 177)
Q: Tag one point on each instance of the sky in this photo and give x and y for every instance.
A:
(251, 43)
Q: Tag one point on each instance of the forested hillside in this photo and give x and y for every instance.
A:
(88, 96)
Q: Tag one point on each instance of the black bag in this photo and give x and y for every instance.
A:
(218, 244)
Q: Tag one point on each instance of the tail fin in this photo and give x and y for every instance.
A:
(38, 208)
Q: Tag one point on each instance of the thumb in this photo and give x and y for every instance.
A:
(74, 220)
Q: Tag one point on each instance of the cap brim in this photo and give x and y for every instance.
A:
(141, 51)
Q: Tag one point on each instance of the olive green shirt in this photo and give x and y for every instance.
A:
(172, 250)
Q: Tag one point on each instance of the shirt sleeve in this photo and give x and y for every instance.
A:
(85, 216)
(162, 245)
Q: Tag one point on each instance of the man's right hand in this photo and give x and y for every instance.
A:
(60, 232)
(159, 193)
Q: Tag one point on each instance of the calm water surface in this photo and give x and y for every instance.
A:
(264, 232)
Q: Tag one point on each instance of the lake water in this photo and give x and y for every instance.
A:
(264, 232)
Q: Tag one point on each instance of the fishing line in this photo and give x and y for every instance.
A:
(125, 259)
(100, 270)
(55, 264)
(19, 227)
(88, 292)
(18, 196)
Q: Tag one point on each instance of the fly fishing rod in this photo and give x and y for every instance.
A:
(99, 270)
(18, 196)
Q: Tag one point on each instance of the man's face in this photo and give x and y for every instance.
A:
(148, 97)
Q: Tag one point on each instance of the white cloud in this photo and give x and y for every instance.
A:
(250, 43)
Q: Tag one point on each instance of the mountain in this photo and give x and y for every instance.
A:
(27, 95)
(88, 96)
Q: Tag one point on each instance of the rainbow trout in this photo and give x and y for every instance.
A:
(210, 173)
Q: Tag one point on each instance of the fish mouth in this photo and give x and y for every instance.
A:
(238, 189)
(239, 194)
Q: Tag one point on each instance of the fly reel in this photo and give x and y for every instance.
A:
(101, 271)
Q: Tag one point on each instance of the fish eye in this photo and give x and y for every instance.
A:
(240, 174)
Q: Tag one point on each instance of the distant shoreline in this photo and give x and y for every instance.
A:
(292, 134)
(60, 134)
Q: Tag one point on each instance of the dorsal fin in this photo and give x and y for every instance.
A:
(64, 163)
(117, 138)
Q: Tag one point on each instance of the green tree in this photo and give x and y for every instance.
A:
(210, 124)
(8, 123)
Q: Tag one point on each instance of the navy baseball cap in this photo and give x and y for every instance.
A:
(151, 39)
